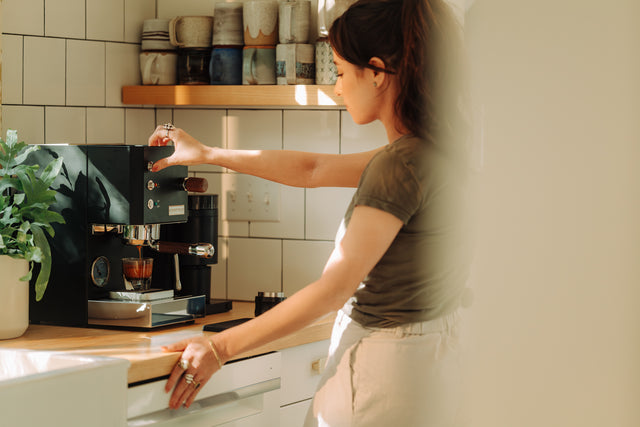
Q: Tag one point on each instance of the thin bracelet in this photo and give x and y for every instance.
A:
(215, 353)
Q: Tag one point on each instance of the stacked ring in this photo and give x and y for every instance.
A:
(188, 378)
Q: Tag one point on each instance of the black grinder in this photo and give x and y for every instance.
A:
(194, 271)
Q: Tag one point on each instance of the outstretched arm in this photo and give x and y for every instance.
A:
(294, 168)
(368, 236)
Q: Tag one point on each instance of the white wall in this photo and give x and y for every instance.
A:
(64, 64)
(555, 324)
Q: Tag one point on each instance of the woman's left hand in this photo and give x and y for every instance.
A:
(200, 363)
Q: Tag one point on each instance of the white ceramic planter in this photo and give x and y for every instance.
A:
(14, 297)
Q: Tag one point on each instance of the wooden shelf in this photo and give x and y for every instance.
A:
(318, 96)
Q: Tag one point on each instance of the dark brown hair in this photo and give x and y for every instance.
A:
(421, 42)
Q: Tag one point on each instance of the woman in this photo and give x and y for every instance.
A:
(400, 263)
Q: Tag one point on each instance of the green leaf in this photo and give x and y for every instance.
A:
(45, 265)
(50, 173)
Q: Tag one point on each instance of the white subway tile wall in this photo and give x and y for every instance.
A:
(105, 20)
(65, 125)
(43, 70)
(12, 70)
(64, 18)
(85, 73)
(64, 65)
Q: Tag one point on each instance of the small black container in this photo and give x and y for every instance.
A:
(267, 300)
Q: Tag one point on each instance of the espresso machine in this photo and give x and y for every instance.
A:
(114, 207)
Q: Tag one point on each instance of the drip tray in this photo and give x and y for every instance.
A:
(145, 314)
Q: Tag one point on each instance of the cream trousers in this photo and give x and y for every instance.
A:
(401, 377)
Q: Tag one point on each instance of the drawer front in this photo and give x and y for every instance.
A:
(294, 415)
(302, 368)
(242, 383)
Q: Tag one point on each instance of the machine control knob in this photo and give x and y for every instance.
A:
(151, 185)
(195, 185)
(150, 203)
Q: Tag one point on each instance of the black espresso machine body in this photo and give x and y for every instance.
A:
(102, 191)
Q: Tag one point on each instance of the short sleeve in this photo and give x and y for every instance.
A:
(389, 183)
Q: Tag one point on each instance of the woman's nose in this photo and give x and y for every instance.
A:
(337, 88)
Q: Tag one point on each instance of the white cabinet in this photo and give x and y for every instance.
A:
(270, 390)
(302, 366)
(242, 393)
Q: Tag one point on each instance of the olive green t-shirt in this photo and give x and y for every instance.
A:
(423, 274)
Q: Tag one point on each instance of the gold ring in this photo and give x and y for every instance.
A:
(184, 364)
(188, 378)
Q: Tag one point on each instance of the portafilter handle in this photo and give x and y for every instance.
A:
(205, 250)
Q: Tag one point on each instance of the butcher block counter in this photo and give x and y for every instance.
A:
(143, 349)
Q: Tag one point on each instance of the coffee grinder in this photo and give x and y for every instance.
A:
(114, 208)
(192, 274)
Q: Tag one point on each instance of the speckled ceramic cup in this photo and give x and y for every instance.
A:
(191, 31)
(260, 20)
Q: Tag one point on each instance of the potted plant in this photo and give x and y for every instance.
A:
(25, 217)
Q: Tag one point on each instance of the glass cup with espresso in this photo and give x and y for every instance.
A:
(137, 273)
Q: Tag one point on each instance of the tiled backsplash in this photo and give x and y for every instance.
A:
(64, 63)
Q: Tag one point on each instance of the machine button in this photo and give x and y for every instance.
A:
(150, 203)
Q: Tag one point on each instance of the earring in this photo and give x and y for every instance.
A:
(375, 84)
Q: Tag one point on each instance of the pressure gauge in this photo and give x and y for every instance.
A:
(100, 271)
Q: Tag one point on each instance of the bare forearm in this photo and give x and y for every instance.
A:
(291, 315)
(292, 168)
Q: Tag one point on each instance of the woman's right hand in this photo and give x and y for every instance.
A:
(188, 150)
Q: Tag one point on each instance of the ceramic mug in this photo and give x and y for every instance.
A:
(294, 21)
(226, 65)
(227, 24)
(155, 35)
(326, 71)
(191, 31)
(259, 65)
(260, 20)
(328, 11)
(193, 66)
(158, 68)
(295, 64)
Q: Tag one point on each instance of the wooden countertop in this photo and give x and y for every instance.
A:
(143, 350)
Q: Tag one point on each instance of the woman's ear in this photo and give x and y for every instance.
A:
(379, 77)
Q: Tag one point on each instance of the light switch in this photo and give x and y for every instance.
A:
(251, 199)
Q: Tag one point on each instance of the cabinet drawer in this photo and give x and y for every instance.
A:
(302, 366)
(237, 391)
(293, 415)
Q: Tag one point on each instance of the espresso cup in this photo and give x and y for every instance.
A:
(295, 64)
(294, 21)
(260, 20)
(191, 31)
(158, 68)
(193, 66)
(227, 24)
(137, 273)
(226, 65)
(326, 71)
(259, 65)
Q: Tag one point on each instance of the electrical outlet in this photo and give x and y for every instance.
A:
(251, 199)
